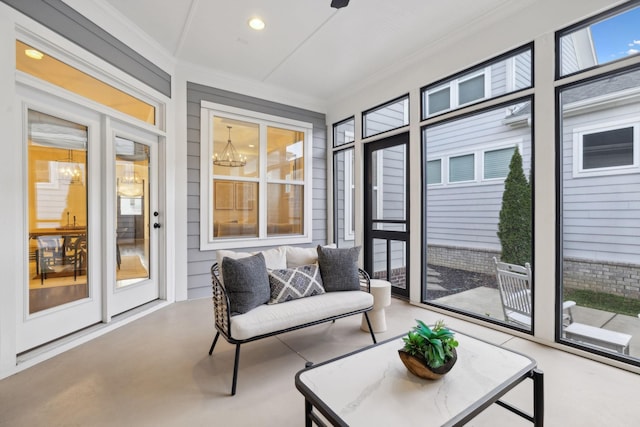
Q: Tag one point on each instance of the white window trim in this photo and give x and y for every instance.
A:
(514, 143)
(454, 90)
(578, 134)
(486, 72)
(379, 187)
(349, 185)
(478, 162)
(98, 69)
(207, 242)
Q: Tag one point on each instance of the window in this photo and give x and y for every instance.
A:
(458, 92)
(606, 151)
(609, 37)
(54, 71)
(463, 189)
(343, 132)
(344, 184)
(496, 163)
(507, 73)
(461, 168)
(254, 169)
(598, 130)
(434, 172)
(439, 100)
(471, 89)
(389, 116)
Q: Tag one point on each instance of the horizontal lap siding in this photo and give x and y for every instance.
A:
(393, 205)
(601, 215)
(199, 262)
(466, 215)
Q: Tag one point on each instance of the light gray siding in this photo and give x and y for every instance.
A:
(522, 69)
(601, 214)
(393, 201)
(466, 214)
(385, 118)
(199, 262)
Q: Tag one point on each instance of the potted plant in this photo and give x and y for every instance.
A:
(429, 352)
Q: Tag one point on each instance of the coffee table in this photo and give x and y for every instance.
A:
(372, 387)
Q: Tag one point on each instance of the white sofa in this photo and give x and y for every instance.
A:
(268, 320)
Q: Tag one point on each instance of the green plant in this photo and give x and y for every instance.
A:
(434, 345)
(514, 227)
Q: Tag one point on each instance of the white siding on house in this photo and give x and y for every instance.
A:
(601, 214)
(389, 117)
(466, 214)
(522, 70)
(393, 202)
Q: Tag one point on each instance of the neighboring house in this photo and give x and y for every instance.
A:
(468, 161)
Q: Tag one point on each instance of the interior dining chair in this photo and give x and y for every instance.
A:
(50, 254)
(77, 256)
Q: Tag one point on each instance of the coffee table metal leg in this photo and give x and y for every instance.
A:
(308, 407)
(538, 398)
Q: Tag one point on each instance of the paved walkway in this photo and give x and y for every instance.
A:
(483, 300)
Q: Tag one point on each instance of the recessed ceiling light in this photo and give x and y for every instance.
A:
(32, 53)
(251, 146)
(256, 23)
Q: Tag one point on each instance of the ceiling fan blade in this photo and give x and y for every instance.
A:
(339, 3)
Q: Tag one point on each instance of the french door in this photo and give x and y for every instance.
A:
(386, 225)
(136, 219)
(90, 187)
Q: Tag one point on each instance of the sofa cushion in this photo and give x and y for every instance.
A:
(293, 283)
(339, 268)
(297, 256)
(246, 282)
(266, 319)
(273, 258)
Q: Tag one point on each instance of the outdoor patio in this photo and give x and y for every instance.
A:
(486, 300)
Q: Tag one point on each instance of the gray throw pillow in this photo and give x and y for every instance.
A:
(339, 268)
(246, 281)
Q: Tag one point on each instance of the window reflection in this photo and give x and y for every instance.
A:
(597, 43)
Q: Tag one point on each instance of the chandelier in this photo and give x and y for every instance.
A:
(229, 156)
(130, 185)
(69, 173)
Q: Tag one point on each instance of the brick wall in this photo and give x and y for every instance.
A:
(620, 279)
(476, 260)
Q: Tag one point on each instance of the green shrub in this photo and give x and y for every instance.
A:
(514, 227)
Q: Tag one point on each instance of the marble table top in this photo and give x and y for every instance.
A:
(373, 387)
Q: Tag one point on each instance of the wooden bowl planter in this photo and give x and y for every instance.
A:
(429, 352)
(418, 366)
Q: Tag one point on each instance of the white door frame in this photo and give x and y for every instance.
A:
(41, 327)
(117, 301)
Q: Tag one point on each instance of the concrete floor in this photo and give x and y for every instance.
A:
(156, 371)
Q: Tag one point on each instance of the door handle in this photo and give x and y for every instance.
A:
(156, 225)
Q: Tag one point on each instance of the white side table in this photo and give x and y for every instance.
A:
(381, 291)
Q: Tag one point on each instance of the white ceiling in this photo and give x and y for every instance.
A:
(307, 47)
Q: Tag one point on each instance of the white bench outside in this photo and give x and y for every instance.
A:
(605, 338)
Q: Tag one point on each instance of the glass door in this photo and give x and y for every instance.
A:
(136, 220)
(61, 293)
(386, 248)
